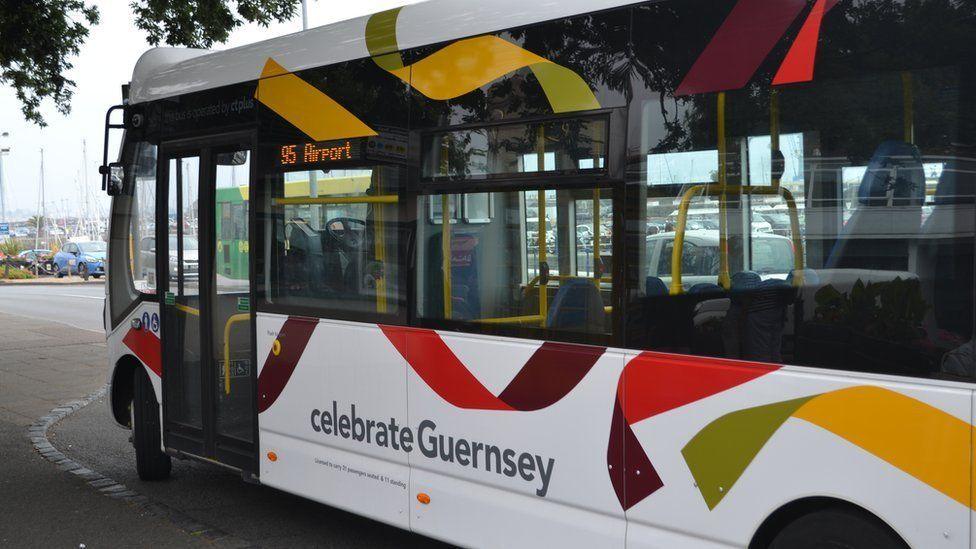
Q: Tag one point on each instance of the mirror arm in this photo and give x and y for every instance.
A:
(104, 170)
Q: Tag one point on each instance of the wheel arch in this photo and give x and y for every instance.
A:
(789, 512)
(121, 393)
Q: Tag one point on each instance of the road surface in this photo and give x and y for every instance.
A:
(75, 305)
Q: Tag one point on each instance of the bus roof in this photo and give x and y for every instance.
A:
(168, 72)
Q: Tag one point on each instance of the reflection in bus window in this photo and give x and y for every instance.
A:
(831, 225)
(537, 264)
(565, 146)
(335, 240)
(134, 213)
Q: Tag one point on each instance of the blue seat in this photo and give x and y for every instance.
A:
(654, 286)
(888, 211)
(577, 307)
(705, 288)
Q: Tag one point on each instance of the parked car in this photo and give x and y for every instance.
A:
(146, 266)
(84, 258)
(772, 256)
(43, 258)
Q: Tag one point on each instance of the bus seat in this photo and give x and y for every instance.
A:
(704, 288)
(945, 248)
(753, 325)
(465, 287)
(654, 286)
(304, 265)
(578, 307)
(745, 281)
(887, 213)
(810, 277)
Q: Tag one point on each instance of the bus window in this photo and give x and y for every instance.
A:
(133, 268)
(536, 264)
(335, 241)
(827, 224)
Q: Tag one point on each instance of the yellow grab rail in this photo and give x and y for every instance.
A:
(301, 200)
(233, 319)
(187, 310)
(379, 246)
(723, 190)
(446, 255)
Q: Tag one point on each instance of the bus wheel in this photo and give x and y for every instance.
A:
(151, 462)
(837, 527)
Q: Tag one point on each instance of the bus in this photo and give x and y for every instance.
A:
(499, 273)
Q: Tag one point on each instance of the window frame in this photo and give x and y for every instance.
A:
(618, 268)
(263, 191)
(129, 141)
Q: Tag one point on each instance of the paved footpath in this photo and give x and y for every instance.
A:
(43, 364)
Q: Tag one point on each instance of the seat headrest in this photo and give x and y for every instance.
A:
(745, 280)
(654, 286)
(577, 307)
(957, 184)
(897, 167)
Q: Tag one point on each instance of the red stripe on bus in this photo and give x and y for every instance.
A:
(740, 45)
(654, 383)
(799, 62)
(293, 338)
(549, 374)
(441, 369)
(145, 345)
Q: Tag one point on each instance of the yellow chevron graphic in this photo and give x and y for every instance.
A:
(306, 107)
(464, 66)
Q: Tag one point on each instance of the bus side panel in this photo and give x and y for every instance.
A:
(143, 343)
(475, 400)
(901, 451)
(318, 436)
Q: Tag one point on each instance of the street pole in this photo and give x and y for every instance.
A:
(304, 14)
(3, 186)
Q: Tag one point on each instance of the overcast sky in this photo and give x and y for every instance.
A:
(105, 63)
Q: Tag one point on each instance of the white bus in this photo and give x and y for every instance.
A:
(347, 263)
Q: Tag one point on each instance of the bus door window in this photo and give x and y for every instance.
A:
(231, 309)
(183, 259)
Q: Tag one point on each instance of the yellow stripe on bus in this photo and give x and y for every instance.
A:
(306, 107)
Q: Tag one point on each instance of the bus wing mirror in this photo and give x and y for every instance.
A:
(114, 175)
(236, 158)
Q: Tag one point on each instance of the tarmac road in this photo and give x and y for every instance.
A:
(78, 305)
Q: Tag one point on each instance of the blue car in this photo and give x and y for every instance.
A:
(82, 258)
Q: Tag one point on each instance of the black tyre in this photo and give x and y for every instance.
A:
(836, 528)
(151, 462)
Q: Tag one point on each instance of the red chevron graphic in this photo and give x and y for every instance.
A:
(746, 38)
(293, 337)
(145, 345)
(655, 383)
(549, 374)
(799, 62)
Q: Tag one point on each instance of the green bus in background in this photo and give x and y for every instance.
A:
(231, 229)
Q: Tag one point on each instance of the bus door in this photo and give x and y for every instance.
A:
(208, 379)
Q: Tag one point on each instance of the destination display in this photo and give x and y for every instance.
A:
(321, 152)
